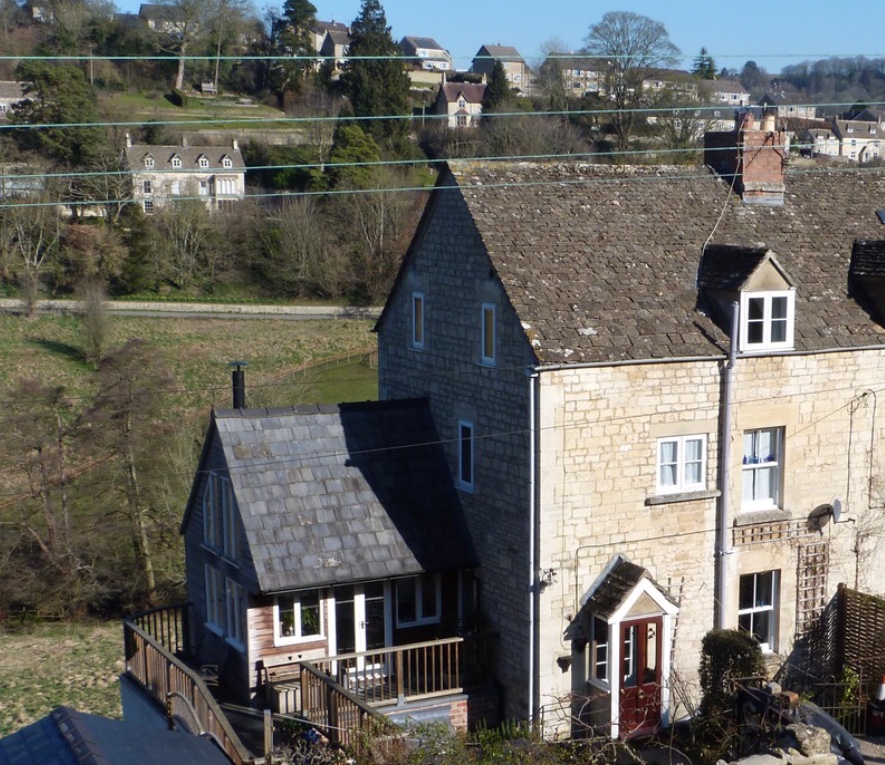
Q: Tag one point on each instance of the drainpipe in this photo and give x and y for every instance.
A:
(723, 546)
(534, 589)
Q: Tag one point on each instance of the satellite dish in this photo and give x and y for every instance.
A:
(837, 510)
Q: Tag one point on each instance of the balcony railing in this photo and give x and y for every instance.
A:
(389, 675)
(151, 640)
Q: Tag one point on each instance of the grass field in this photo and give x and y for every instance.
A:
(196, 352)
(45, 665)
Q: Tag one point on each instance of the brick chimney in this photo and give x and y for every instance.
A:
(756, 156)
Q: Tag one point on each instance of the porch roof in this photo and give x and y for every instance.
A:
(343, 493)
(616, 584)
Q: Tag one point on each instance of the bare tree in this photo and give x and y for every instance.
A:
(32, 231)
(125, 420)
(186, 241)
(632, 48)
(182, 25)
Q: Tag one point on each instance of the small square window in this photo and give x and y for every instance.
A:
(299, 616)
(227, 162)
(488, 334)
(757, 607)
(148, 161)
(767, 320)
(682, 464)
(418, 320)
(176, 161)
(465, 455)
(762, 468)
(418, 600)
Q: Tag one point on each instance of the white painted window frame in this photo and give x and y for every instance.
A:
(419, 583)
(299, 635)
(682, 484)
(770, 645)
(750, 464)
(767, 321)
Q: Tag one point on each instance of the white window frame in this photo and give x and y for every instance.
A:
(148, 162)
(227, 162)
(148, 206)
(748, 614)
(419, 324)
(466, 455)
(752, 463)
(599, 648)
(767, 321)
(418, 584)
(220, 528)
(283, 602)
(203, 162)
(176, 161)
(235, 602)
(215, 599)
(147, 186)
(488, 335)
(681, 463)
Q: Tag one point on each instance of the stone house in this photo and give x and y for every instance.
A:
(460, 102)
(730, 93)
(656, 389)
(860, 140)
(216, 175)
(580, 75)
(515, 68)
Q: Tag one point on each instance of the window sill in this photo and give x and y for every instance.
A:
(599, 685)
(751, 517)
(685, 496)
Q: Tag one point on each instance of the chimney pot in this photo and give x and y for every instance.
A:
(238, 380)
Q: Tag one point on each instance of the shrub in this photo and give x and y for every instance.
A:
(726, 657)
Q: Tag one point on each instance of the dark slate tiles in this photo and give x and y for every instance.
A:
(366, 495)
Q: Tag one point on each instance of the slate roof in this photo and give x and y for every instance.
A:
(499, 52)
(601, 262)
(413, 43)
(343, 493)
(68, 737)
(189, 155)
(609, 593)
(473, 92)
(10, 89)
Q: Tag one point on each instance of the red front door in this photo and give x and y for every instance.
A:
(640, 676)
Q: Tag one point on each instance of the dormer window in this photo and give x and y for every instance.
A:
(227, 162)
(767, 320)
(176, 161)
(149, 161)
(203, 162)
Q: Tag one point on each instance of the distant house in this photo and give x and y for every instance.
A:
(161, 174)
(461, 101)
(860, 140)
(426, 53)
(729, 92)
(580, 75)
(787, 103)
(68, 737)
(11, 93)
(334, 49)
(515, 67)
(319, 29)
(161, 18)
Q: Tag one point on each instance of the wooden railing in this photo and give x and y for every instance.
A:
(162, 674)
(168, 625)
(389, 675)
(336, 712)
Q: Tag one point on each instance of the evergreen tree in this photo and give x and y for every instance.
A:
(298, 17)
(704, 66)
(497, 90)
(374, 79)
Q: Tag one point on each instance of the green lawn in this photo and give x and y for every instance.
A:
(43, 666)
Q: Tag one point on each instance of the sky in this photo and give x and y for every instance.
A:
(773, 34)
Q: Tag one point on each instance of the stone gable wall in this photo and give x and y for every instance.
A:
(450, 267)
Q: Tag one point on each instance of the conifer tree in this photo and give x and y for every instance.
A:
(497, 90)
(374, 79)
(704, 66)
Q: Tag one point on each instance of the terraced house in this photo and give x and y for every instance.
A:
(657, 390)
(621, 406)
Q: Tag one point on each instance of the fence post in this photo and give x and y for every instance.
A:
(400, 681)
(332, 707)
